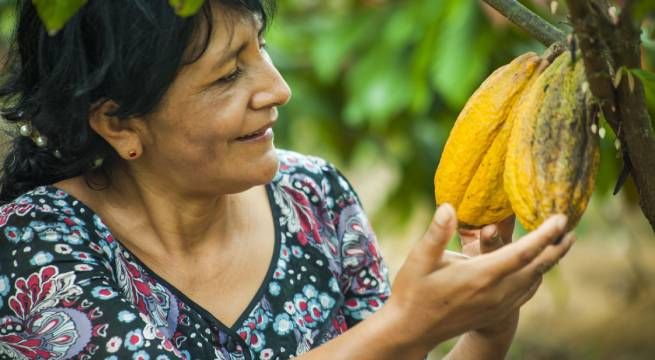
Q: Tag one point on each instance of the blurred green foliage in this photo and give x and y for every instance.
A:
(382, 80)
(387, 79)
(55, 13)
(186, 7)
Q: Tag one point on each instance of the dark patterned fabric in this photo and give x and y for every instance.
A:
(69, 289)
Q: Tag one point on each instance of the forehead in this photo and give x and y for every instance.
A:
(227, 23)
(219, 32)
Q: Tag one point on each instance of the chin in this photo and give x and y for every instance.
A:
(258, 172)
(269, 167)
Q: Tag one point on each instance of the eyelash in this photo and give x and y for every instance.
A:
(232, 77)
(236, 74)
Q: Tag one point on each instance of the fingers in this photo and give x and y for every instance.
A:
(454, 256)
(429, 250)
(550, 257)
(490, 239)
(520, 254)
(520, 286)
(470, 241)
(468, 235)
(506, 229)
(471, 248)
(525, 297)
(542, 264)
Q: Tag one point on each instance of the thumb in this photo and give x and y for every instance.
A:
(428, 251)
(490, 239)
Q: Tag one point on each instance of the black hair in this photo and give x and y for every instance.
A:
(128, 51)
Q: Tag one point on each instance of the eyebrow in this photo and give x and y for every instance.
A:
(236, 51)
(229, 55)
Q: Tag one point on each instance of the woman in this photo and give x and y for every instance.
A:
(147, 213)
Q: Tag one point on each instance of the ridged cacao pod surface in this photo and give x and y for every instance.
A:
(470, 171)
(552, 154)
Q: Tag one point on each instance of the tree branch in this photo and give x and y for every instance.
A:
(610, 43)
(610, 46)
(530, 22)
(597, 59)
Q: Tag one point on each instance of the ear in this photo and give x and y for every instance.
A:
(124, 135)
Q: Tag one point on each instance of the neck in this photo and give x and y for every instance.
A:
(170, 222)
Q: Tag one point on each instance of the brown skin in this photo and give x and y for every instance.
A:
(484, 241)
(193, 200)
(497, 337)
(437, 296)
(191, 196)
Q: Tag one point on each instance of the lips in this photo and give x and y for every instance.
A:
(256, 133)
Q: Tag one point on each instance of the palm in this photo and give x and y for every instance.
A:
(485, 240)
(480, 241)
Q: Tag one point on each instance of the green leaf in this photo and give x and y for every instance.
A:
(378, 88)
(648, 36)
(7, 21)
(55, 13)
(648, 80)
(642, 9)
(422, 57)
(400, 29)
(460, 58)
(186, 8)
(336, 41)
(647, 77)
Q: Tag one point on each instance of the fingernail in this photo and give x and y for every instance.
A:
(567, 239)
(444, 215)
(567, 243)
(561, 222)
(496, 236)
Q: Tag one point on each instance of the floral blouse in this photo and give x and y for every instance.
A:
(69, 289)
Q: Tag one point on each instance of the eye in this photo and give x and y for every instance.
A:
(232, 77)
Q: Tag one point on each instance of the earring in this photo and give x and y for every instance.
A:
(132, 154)
(41, 141)
(26, 129)
(97, 162)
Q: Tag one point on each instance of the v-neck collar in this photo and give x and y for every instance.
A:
(232, 330)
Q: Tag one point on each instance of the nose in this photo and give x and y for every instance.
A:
(274, 90)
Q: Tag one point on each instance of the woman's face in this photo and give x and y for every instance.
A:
(195, 140)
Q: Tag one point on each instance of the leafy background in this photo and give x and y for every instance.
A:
(377, 86)
(383, 81)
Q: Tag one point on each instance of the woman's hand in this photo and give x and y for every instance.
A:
(434, 299)
(485, 240)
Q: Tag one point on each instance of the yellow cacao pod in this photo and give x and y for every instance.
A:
(552, 154)
(470, 171)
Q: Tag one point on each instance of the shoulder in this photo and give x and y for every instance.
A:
(292, 162)
(312, 174)
(313, 195)
(63, 283)
(42, 224)
(30, 203)
(44, 213)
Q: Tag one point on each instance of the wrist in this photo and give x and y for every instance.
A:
(378, 337)
(396, 328)
(502, 330)
(491, 342)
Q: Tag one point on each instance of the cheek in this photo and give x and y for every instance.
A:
(205, 132)
(198, 131)
(200, 147)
